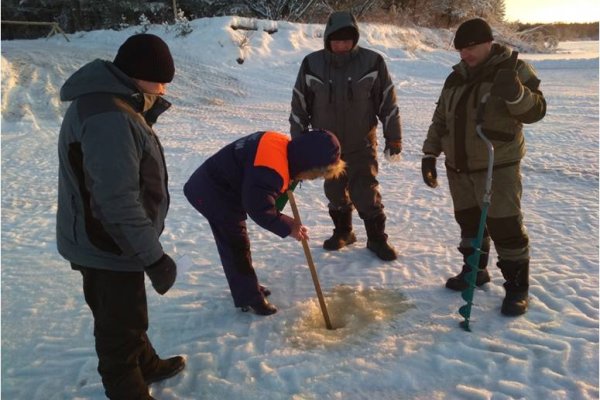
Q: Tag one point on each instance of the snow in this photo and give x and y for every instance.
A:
(398, 334)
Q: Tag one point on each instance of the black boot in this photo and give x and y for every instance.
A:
(262, 307)
(342, 233)
(516, 274)
(459, 282)
(165, 369)
(377, 238)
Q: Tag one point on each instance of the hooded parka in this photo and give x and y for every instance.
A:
(112, 191)
(345, 93)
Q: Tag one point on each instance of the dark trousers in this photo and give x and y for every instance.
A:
(227, 220)
(358, 186)
(125, 354)
(233, 245)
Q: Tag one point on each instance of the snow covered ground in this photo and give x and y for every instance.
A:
(398, 335)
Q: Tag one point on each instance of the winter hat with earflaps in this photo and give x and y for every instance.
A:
(315, 148)
(472, 32)
(146, 57)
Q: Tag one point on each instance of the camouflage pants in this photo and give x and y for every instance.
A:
(505, 219)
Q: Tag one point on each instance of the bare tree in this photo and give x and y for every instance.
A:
(291, 10)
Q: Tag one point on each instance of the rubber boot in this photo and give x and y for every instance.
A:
(459, 282)
(342, 233)
(377, 238)
(516, 275)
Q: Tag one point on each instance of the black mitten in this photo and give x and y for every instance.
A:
(507, 85)
(162, 274)
(394, 146)
(429, 171)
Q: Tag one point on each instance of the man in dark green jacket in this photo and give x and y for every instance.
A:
(344, 89)
(112, 203)
(486, 68)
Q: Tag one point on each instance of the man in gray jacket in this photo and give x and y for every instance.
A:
(112, 203)
(344, 88)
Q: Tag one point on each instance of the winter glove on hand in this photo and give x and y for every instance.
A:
(429, 171)
(507, 85)
(162, 274)
(392, 150)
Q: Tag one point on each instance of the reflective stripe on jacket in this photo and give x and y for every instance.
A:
(345, 94)
(272, 153)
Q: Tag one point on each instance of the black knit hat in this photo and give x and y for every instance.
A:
(472, 32)
(146, 57)
(346, 33)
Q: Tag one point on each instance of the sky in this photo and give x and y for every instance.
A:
(553, 10)
(397, 330)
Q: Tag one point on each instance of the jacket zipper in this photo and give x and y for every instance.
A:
(74, 211)
(350, 92)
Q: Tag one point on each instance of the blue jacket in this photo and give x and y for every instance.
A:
(229, 186)
(247, 176)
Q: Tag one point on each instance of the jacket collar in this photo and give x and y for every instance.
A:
(137, 100)
(340, 60)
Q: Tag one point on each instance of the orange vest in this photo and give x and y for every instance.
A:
(272, 153)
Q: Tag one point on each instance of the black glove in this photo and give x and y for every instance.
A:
(429, 171)
(162, 274)
(392, 150)
(507, 85)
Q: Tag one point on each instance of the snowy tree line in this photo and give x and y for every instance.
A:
(563, 31)
(85, 15)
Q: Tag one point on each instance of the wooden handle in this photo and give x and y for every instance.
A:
(311, 264)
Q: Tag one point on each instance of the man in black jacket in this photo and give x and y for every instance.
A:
(112, 203)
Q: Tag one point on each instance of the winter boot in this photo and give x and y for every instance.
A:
(516, 274)
(342, 233)
(165, 369)
(377, 238)
(459, 282)
(262, 307)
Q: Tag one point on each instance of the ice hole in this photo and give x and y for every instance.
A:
(351, 312)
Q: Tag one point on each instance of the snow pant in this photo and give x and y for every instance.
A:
(233, 244)
(358, 187)
(118, 304)
(228, 224)
(504, 221)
